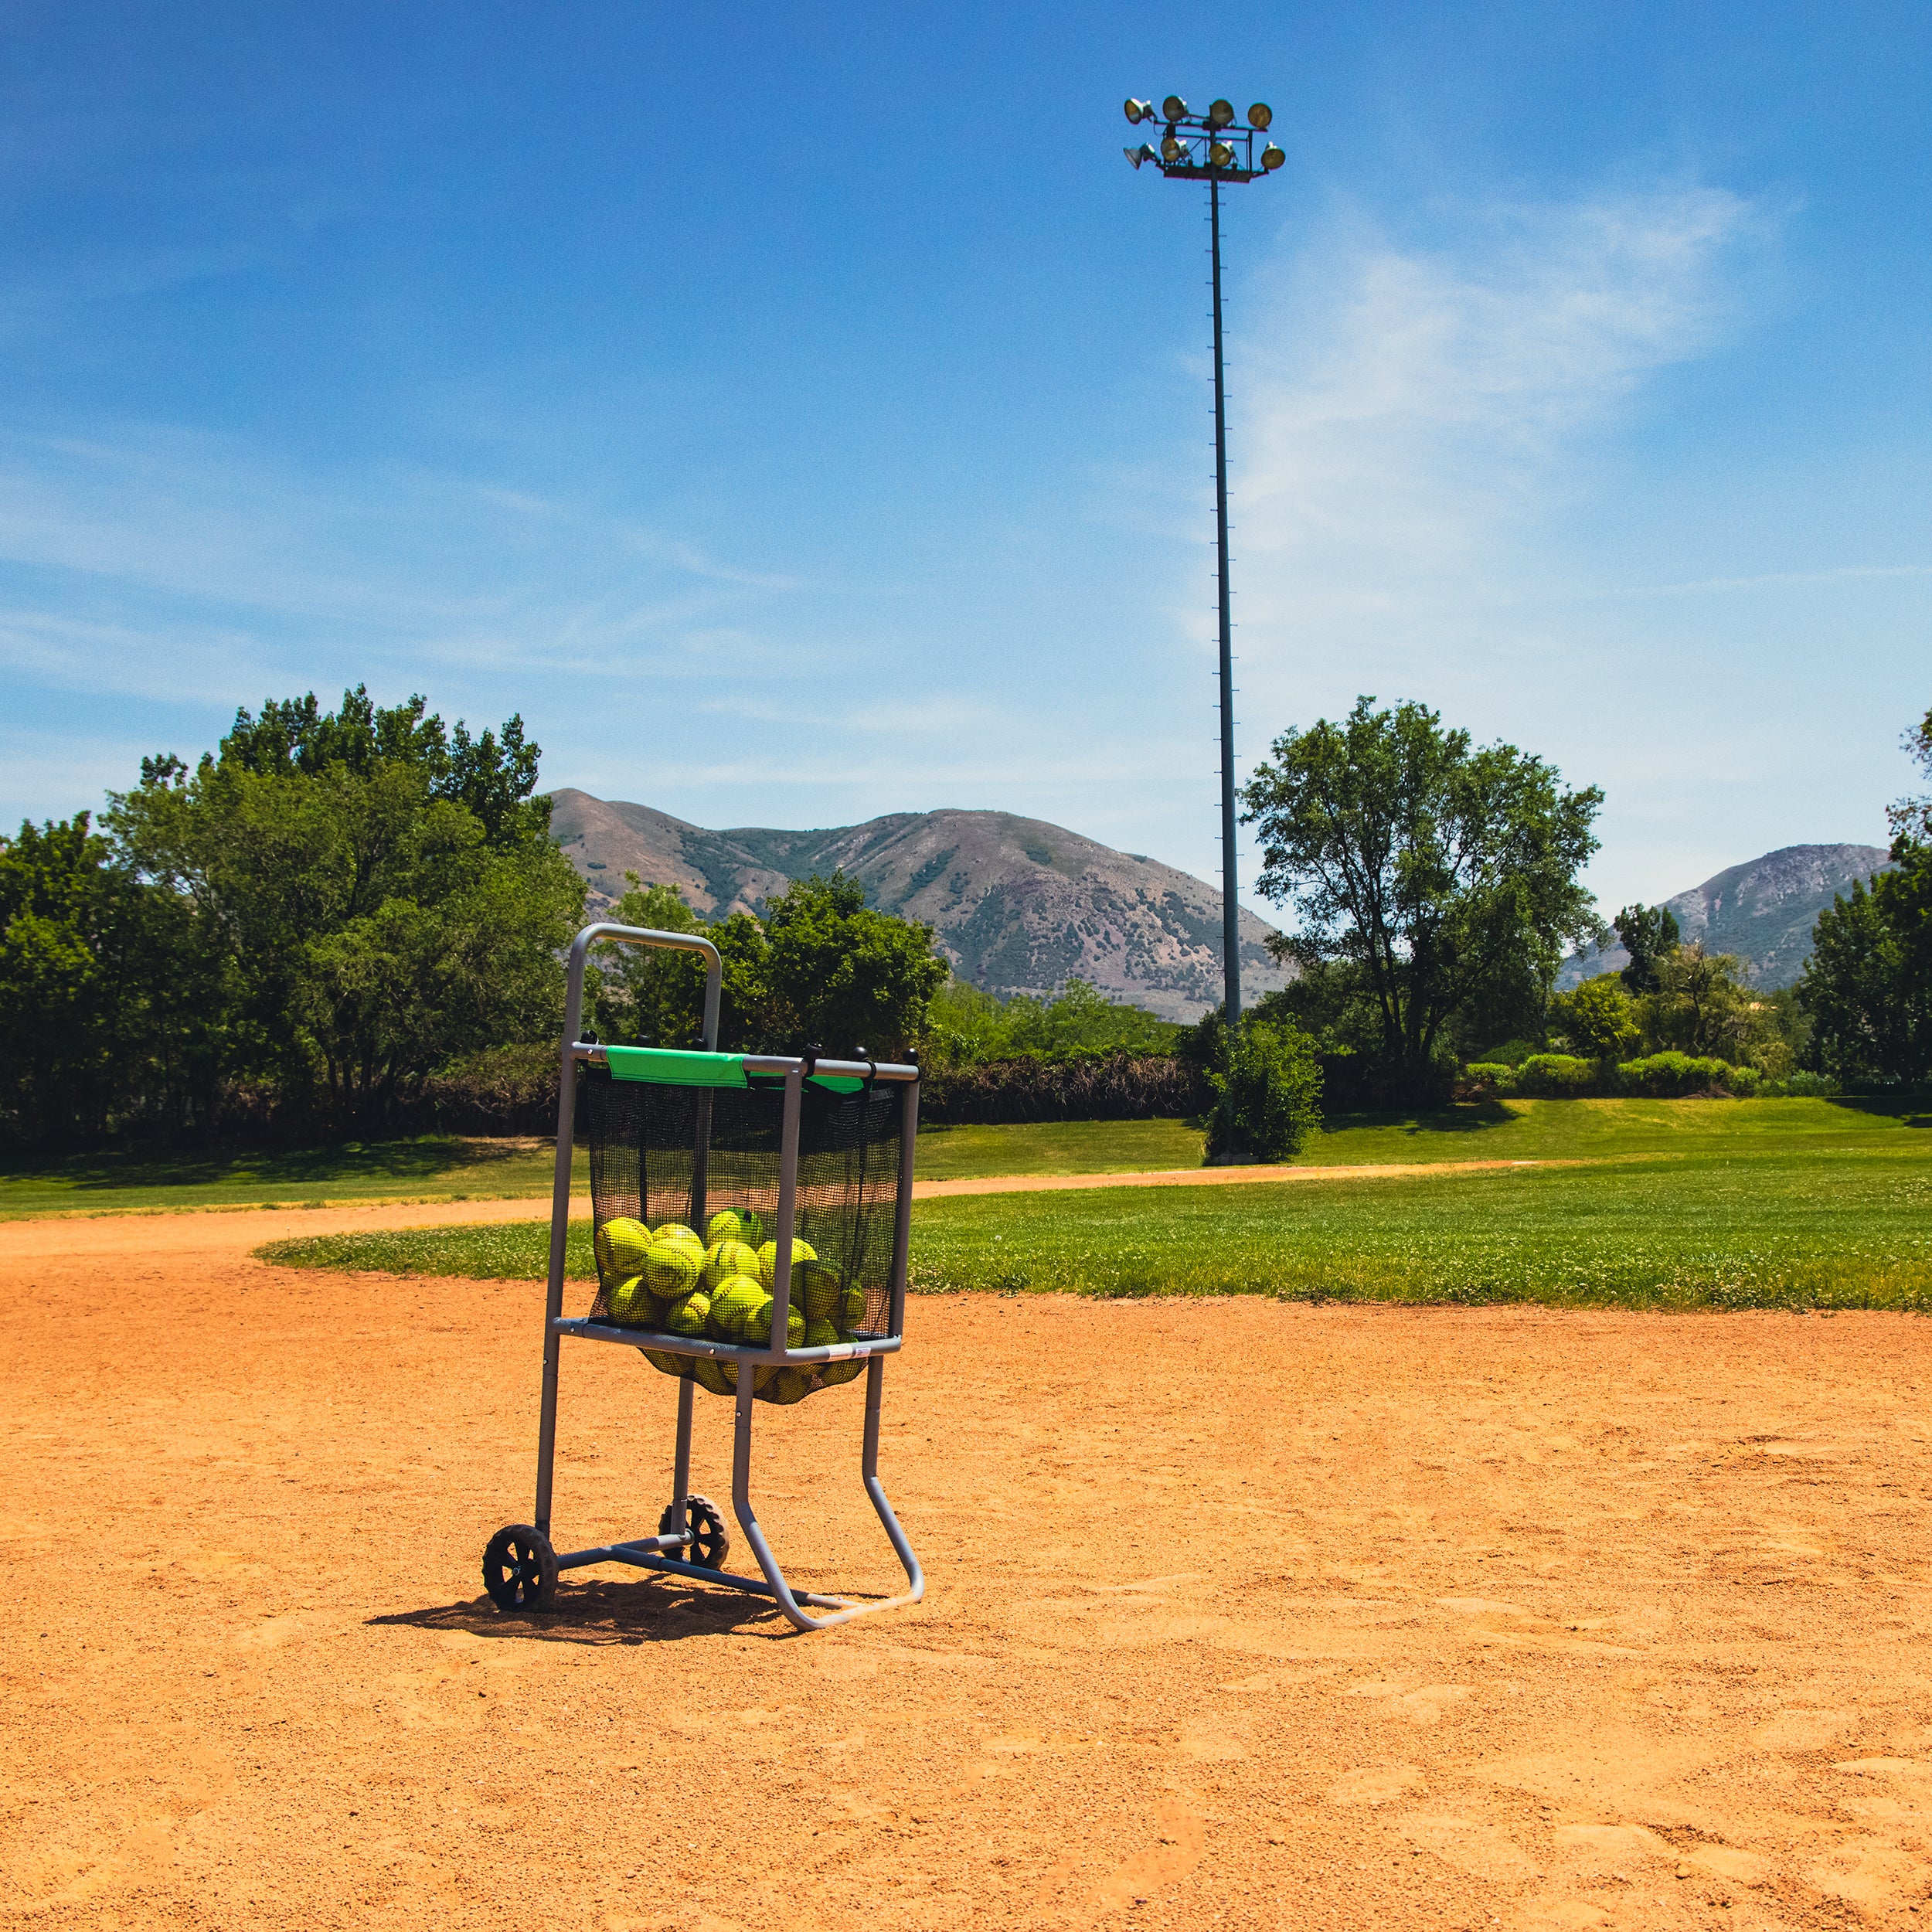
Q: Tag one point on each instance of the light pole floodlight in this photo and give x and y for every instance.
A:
(1144, 152)
(1230, 158)
(1139, 111)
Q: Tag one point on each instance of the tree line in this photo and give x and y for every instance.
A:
(334, 910)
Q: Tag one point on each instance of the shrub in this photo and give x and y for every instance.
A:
(1098, 1086)
(1803, 1086)
(1274, 1081)
(1484, 1079)
(503, 1090)
(1673, 1076)
(1557, 1077)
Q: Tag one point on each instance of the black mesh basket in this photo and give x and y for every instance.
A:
(664, 1158)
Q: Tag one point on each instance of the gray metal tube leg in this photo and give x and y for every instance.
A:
(842, 1610)
(874, 1391)
(547, 1433)
(680, 1469)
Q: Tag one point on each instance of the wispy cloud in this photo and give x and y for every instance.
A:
(256, 559)
(1768, 580)
(1410, 413)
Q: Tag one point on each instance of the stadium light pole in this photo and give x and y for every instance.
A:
(1210, 147)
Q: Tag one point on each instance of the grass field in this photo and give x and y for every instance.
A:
(1796, 1203)
(430, 1168)
(1057, 1146)
(444, 1168)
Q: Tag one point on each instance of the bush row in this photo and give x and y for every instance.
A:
(1110, 1086)
(1656, 1077)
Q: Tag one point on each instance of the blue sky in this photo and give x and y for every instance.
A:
(802, 414)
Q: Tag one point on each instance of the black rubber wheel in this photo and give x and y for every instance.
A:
(710, 1541)
(519, 1569)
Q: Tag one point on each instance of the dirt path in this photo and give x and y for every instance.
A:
(1214, 1177)
(1241, 1613)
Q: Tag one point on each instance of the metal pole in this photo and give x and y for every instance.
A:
(566, 1095)
(1230, 908)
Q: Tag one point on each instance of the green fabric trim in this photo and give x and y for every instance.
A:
(838, 1083)
(667, 1069)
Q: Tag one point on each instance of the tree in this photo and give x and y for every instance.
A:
(1598, 1018)
(1701, 1005)
(1649, 932)
(821, 968)
(381, 895)
(1911, 818)
(1439, 879)
(844, 977)
(111, 1010)
(1868, 984)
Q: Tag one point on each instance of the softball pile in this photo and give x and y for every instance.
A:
(719, 1288)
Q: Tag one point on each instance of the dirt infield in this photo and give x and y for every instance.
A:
(1241, 1613)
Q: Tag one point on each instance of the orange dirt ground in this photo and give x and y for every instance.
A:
(1240, 1614)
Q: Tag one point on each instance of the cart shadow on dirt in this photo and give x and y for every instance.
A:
(607, 1611)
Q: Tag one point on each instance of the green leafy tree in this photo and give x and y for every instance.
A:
(1911, 818)
(967, 1027)
(1868, 984)
(1437, 880)
(820, 968)
(1649, 934)
(1701, 1006)
(646, 997)
(382, 895)
(1598, 1018)
(842, 976)
(110, 1009)
(55, 995)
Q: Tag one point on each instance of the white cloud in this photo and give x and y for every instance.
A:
(1407, 415)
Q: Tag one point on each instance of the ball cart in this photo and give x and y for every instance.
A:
(751, 1216)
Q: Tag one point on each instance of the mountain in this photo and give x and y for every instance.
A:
(1763, 911)
(1018, 905)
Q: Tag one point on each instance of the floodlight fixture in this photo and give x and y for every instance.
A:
(1272, 157)
(1144, 152)
(1139, 111)
(1174, 108)
(1173, 149)
(1260, 117)
(1220, 114)
(1220, 154)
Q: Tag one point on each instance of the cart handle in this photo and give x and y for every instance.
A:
(638, 936)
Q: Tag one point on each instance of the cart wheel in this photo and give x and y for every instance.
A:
(710, 1541)
(519, 1569)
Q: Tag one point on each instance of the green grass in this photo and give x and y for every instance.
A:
(1057, 1146)
(433, 1167)
(445, 1167)
(1751, 1204)
(1521, 1130)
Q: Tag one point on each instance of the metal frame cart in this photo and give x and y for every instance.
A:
(520, 1567)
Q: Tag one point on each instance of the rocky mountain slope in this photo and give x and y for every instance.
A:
(1017, 905)
(1763, 911)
